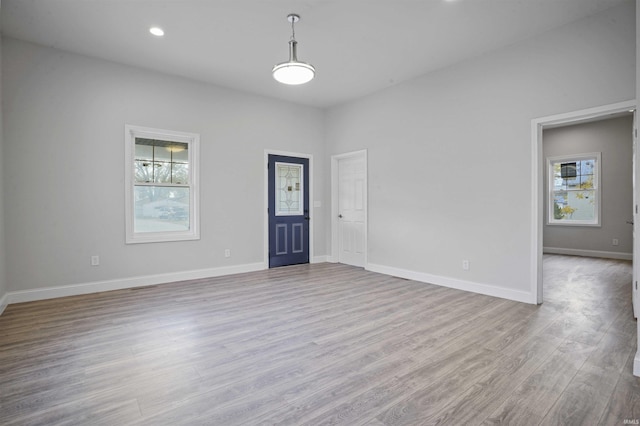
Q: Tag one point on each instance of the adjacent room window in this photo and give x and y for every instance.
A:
(574, 190)
(161, 185)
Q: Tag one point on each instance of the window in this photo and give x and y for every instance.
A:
(161, 185)
(574, 190)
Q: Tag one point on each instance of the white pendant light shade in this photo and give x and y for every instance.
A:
(293, 72)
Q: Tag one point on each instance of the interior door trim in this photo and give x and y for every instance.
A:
(335, 243)
(265, 214)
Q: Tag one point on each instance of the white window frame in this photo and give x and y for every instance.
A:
(597, 189)
(193, 140)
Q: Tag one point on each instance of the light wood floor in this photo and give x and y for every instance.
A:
(326, 344)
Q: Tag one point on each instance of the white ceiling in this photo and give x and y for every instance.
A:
(357, 47)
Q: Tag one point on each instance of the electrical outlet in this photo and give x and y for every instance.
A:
(465, 265)
(227, 253)
(95, 260)
(615, 242)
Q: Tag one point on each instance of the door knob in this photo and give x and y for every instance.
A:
(630, 222)
(340, 216)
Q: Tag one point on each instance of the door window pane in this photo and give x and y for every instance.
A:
(289, 189)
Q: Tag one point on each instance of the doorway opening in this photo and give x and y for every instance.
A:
(539, 177)
(538, 194)
(588, 203)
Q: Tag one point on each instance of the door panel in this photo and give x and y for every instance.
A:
(297, 238)
(352, 210)
(281, 239)
(288, 210)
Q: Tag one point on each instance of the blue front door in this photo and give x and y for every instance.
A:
(288, 210)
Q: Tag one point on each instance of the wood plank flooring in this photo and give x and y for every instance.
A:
(326, 344)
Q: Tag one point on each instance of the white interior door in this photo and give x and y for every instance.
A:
(636, 240)
(352, 203)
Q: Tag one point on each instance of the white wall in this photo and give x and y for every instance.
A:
(450, 153)
(64, 166)
(613, 139)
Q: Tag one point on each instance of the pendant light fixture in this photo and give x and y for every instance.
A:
(293, 72)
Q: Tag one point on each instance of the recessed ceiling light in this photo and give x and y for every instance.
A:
(156, 31)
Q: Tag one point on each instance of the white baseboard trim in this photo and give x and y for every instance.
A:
(119, 284)
(588, 253)
(474, 287)
(320, 259)
(4, 302)
(636, 364)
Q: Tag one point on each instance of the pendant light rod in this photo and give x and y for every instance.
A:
(293, 44)
(293, 18)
